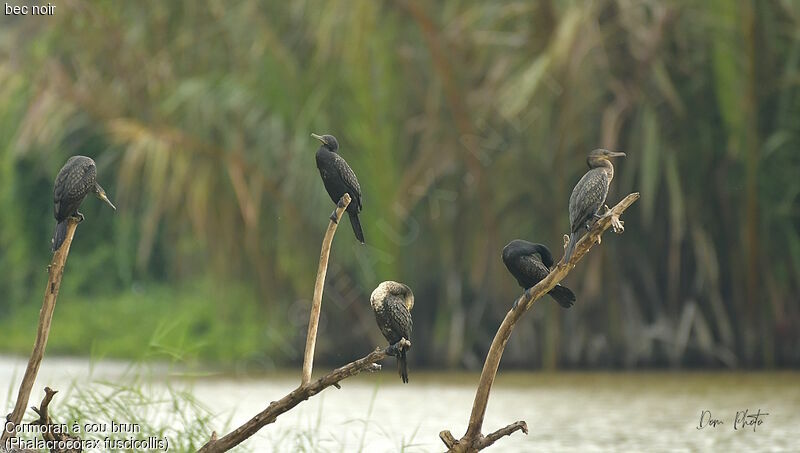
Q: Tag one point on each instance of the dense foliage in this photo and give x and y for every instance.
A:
(468, 124)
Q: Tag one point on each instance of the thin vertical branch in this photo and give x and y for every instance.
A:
(55, 272)
(307, 389)
(316, 304)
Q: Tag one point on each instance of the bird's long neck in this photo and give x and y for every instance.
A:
(404, 292)
(603, 164)
(544, 252)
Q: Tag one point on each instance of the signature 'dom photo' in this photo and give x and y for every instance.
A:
(406, 226)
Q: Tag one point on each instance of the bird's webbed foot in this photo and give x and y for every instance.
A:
(78, 216)
(525, 294)
(396, 348)
(606, 211)
(340, 203)
(334, 218)
(617, 225)
(566, 241)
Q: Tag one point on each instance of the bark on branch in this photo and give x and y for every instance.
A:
(482, 442)
(506, 431)
(307, 389)
(297, 396)
(55, 272)
(319, 285)
(473, 440)
(52, 435)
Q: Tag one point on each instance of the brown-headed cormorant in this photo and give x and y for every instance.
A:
(339, 179)
(589, 195)
(529, 263)
(392, 303)
(75, 180)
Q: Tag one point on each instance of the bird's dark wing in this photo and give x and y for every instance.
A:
(396, 320)
(537, 268)
(350, 181)
(532, 270)
(587, 197)
(73, 182)
(517, 269)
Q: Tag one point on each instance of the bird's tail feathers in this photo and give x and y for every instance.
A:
(573, 238)
(59, 235)
(563, 295)
(402, 365)
(356, 223)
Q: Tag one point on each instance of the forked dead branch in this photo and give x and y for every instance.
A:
(70, 443)
(55, 273)
(473, 440)
(307, 389)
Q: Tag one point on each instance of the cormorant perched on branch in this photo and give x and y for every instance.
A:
(75, 180)
(529, 263)
(589, 194)
(392, 303)
(339, 179)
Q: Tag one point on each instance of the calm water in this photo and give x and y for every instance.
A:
(572, 412)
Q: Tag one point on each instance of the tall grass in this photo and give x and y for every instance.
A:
(468, 125)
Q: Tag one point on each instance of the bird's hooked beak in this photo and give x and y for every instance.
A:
(319, 137)
(409, 301)
(614, 154)
(102, 195)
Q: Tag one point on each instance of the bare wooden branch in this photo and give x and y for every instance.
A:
(507, 431)
(297, 396)
(307, 389)
(473, 440)
(482, 442)
(316, 304)
(54, 435)
(55, 273)
(448, 439)
(44, 418)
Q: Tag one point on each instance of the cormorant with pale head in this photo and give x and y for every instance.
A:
(392, 303)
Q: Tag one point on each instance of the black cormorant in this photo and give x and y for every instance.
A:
(529, 263)
(589, 194)
(75, 180)
(392, 303)
(339, 179)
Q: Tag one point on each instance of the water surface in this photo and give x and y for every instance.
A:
(566, 412)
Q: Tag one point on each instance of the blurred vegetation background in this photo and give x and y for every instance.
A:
(467, 122)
